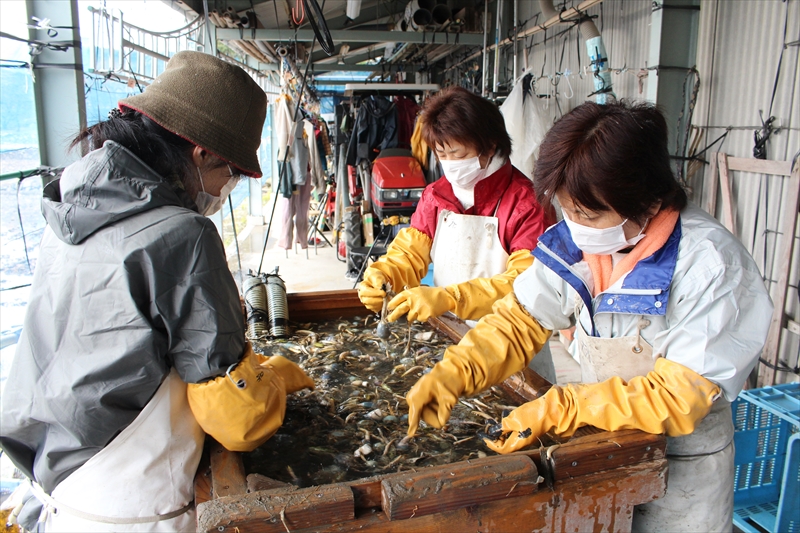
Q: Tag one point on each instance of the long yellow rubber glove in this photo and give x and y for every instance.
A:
(502, 343)
(404, 264)
(243, 417)
(469, 300)
(419, 148)
(671, 399)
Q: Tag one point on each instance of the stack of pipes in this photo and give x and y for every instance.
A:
(260, 50)
(418, 15)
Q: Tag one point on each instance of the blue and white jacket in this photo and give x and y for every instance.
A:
(701, 293)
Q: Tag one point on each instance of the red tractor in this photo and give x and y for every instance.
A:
(397, 182)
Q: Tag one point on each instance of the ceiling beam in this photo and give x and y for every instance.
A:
(330, 67)
(355, 36)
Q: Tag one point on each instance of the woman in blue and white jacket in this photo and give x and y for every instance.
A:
(670, 310)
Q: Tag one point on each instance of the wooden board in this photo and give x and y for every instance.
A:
(602, 502)
(279, 510)
(444, 488)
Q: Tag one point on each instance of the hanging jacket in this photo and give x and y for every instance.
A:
(375, 130)
(521, 217)
(701, 294)
(131, 281)
(407, 110)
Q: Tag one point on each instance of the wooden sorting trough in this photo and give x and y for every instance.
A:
(588, 483)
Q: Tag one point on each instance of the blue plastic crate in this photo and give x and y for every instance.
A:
(783, 400)
(767, 464)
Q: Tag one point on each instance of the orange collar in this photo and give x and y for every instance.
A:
(658, 231)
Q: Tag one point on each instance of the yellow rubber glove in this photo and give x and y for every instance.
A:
(294, 379)
(370, 291)
(421, 303)
(671, 399)
(470, 300)
(502, 343)
(241, 417)
(404, 264)
(419, 148)
(474, 298)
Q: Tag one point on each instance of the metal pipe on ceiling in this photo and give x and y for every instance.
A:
(516, 21)
(350, 36)
(496, 82)
(560, 18)
(485, 37)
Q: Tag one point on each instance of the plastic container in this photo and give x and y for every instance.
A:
(767, 471)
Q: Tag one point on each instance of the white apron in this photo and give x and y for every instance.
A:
(700, 481)
(467, 247)
(141, 481)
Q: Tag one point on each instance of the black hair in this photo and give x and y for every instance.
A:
(611, 156)
(166, 153)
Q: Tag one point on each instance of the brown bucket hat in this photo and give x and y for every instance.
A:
(209, 102)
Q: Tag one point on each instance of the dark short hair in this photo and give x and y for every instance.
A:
(455, 114)
(166, 153)
(611, 156)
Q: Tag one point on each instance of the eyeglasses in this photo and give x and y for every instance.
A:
(238, 175)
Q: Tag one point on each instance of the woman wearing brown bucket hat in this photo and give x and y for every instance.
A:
(133, 344)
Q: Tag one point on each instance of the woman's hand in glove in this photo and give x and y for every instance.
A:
(421, 303)
(293, 376)
(371, 291)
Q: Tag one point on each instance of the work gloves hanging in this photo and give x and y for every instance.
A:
(244, 407)
(671, 399)
(502, 343)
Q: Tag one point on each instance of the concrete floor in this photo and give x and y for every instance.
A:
(319, 270)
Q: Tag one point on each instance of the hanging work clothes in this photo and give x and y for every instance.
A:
(407, 110)
(282, 114)
(317, 174)
(285, 183)
(343, 128)
(527, 124)
(325, 139)
(321, 148)
(299, 155)
(294, 217)
(375, 130)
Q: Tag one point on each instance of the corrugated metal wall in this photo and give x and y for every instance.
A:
(739, 46)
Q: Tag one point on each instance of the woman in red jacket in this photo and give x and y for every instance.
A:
(478, 225)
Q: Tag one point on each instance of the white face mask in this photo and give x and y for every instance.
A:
(207, 204)
(601, 241)
(463, 173)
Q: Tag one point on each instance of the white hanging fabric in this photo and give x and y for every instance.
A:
(526, 124)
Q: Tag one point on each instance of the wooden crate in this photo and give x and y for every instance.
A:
(589, 483)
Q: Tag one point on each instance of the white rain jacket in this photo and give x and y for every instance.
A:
(131, 281)
(702, 294)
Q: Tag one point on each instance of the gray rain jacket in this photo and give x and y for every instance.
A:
(130, 282)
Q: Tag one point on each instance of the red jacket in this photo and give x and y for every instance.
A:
(521, 217)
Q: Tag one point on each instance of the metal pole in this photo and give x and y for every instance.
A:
(485, 45)
(497, 48)
(516, 21)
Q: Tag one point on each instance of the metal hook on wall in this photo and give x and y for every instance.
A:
(569, 84)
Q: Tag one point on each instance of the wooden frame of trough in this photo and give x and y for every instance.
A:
(589, 483)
